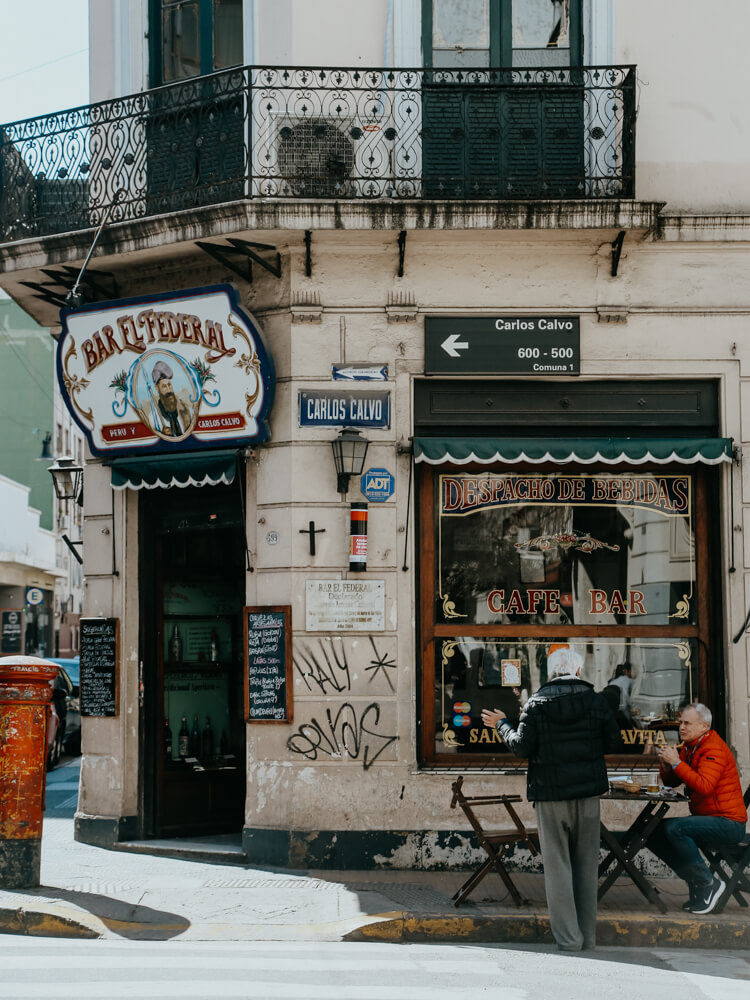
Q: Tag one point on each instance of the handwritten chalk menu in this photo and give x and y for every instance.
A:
(99, 665)
(11, 635)
(268, 664)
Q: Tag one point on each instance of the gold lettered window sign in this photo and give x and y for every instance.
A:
(473, 673)
(591, 549)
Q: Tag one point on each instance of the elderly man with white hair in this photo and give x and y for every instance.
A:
(565, 730)
(705, 765)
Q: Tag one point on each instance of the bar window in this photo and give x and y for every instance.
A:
(613, 563)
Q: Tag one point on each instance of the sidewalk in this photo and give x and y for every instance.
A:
(91, 892)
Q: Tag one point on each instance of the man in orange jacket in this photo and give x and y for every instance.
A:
(718, 815)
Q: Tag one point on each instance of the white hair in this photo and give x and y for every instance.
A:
(703, 712)
(564, 662)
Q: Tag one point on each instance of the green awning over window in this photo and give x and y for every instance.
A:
(583, 450)
(206, 468)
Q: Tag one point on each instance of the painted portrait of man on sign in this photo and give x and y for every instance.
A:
(166, 394)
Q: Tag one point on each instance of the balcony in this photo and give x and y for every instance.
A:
(342, 134)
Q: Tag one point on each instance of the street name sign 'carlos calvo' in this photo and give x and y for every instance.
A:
(180, 371)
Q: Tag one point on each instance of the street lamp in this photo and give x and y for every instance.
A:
(349, 451)
(67, 478)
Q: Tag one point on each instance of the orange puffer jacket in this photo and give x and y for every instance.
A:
(711, 778)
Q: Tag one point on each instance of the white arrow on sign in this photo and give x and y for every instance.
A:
(452, 345)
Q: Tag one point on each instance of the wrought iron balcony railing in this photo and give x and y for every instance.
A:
(322, 133)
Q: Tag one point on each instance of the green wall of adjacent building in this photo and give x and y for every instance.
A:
(27, 373)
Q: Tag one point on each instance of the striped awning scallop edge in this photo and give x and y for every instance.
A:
(579, 450)
(154, 472)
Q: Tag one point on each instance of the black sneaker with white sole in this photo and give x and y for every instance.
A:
(707, 898)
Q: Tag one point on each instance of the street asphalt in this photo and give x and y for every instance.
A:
(205, 890)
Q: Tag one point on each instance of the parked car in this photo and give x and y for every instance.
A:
(54, 736)
(62, 690)
(65, 694)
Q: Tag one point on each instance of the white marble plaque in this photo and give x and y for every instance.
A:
(345, 605)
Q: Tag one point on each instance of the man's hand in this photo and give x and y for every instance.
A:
(668, 755)
(491, 717)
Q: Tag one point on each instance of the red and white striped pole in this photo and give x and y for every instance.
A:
(358, 536)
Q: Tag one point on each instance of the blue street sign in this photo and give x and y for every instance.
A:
(377, 485)
(34, 595)
(344, 408)
(359, 373)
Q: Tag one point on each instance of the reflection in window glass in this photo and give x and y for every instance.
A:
(460, 33)
(541, 35)
(180, 39)
(593, 549)
(227, 33)
(646, 682)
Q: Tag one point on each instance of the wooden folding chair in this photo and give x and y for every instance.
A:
(495, 843)
(729, 862)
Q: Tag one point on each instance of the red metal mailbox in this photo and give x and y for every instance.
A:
(25, 694)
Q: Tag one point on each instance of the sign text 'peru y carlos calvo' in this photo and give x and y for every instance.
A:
(163, 373)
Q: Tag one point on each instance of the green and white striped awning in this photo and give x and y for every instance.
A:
(205, 468)
(579, 450)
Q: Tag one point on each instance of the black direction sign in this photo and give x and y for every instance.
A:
(502, 345)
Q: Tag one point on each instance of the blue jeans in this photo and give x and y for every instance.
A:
(677, 843)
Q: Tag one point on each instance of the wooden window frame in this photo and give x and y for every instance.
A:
(430, 632)
(206, 44)
(501, 33)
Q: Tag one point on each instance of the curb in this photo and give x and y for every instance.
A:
(401, 927)
(613, 930)
(43, 923)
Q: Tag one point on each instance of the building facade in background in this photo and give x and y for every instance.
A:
(501, 243)
(41, 584)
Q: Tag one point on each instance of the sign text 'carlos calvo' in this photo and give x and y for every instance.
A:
(176, 372)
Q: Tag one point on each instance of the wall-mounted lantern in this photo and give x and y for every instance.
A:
(67, 478)
(349, 451)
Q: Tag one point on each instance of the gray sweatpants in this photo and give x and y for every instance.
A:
(569, 839)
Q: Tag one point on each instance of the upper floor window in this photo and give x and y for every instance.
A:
(194, 37)
(482, 33)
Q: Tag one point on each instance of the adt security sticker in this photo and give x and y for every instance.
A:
(377, 485)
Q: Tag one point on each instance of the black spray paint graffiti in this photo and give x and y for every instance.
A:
(328, 671)
(342, 736)
(384, 663)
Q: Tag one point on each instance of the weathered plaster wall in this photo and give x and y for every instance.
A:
(348, 761)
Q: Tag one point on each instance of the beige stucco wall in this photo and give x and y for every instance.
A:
(685, 312)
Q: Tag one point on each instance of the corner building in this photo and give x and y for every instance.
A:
(533, 312)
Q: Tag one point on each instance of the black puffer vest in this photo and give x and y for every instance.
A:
(565, 730)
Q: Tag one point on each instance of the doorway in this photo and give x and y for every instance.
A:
(192, 588)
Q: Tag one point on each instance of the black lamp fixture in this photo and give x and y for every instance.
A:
(46, 455)
(67, 478)
(349, 451)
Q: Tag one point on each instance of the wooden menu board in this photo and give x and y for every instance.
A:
(99, 666)
(268, 664)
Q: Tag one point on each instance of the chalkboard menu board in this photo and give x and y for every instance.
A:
(11, 637)
(99, 666)
(268, 664)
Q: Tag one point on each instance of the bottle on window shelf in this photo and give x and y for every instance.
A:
(183, 740)
(167, 740)
(224, 743)
(207, 743)
(175, 646)
(214, 654)
(195, 738)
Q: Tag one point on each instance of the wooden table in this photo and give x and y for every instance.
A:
(624, 847)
